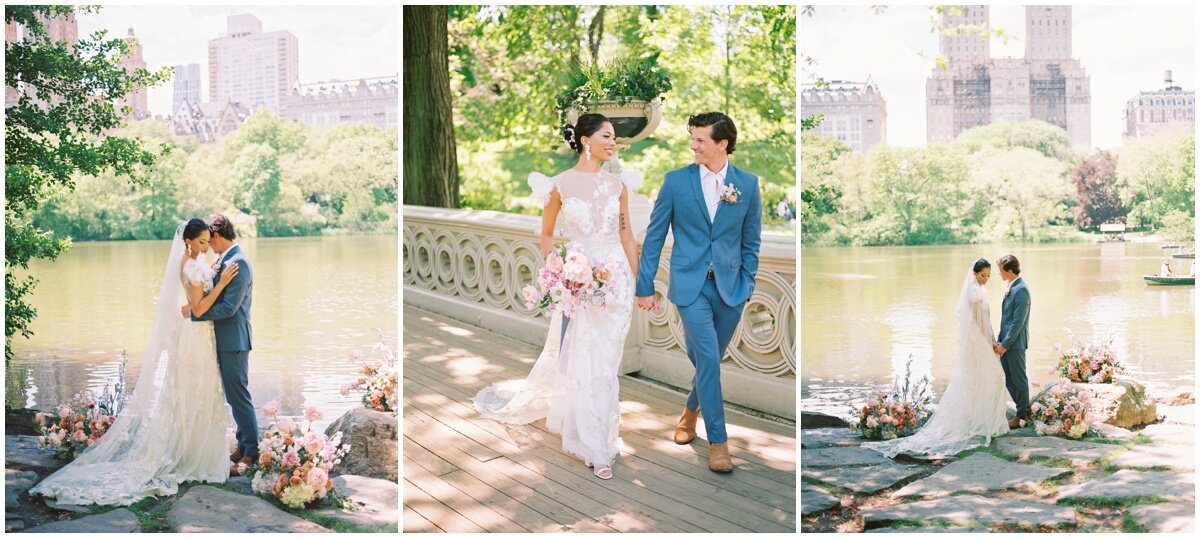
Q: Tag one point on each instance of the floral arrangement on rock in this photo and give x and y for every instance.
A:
(1062, 409)
(293, 463)
(898, 413)
(378, 380)
(1090, 363)
(78, 424)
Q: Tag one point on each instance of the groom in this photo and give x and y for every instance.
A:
(231, 323)
(1014, 337)
(715, 213)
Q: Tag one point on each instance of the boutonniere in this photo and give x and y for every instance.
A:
(730, 194)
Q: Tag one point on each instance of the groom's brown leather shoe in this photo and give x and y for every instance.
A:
(236, 456)
(718, 458)
(685, 432)
(1014, 423)
(234, 471)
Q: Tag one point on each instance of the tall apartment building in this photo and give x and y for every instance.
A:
(325, 104)
(1172, 109)
(854, 112)
(57, 29)
(186, 82)
(138, 99)
(975, 89)
(250, 67)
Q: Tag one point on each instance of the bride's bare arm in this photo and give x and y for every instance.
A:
(625, 230)
(199, 302)
(549, 220)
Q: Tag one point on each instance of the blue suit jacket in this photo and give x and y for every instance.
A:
(729, 244)
(1014, 319)
(231, 313)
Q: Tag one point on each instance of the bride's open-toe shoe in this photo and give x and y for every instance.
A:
(603, 472)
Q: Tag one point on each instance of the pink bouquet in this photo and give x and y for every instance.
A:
(1062, 410)
(78, 424)
(293, 464)
(377, 379)
(570, 282)
(1092, 363)
(899, 413)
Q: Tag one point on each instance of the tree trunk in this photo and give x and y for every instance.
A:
(430, 163)
(596, 35)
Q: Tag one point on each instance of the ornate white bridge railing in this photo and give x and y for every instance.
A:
(471, 265)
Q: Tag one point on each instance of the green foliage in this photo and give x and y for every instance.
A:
(1157, 177)
(624, 79)
(55, 133)
(1097, 193)
(274, 177)
(508, 64)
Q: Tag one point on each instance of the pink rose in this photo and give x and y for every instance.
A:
(313, 442)
(345, 390)
(271, 408)
(529, 293)
(79, 436)
(312, 413)
(291, 459)
(286, 426)
(317, 478)
(554, 262)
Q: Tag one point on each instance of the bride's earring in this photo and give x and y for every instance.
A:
(587, 152)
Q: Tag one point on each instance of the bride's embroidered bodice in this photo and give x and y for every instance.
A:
(591, 202)
(198, 272)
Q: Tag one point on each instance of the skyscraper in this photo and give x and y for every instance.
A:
(250, 67)
(974, 89)
(186, 82)
(137, 100)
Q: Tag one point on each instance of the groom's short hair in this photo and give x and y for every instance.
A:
(221, 226)
(1009, 263)
(722, 127)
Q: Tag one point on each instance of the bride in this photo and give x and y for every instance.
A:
(971, 410)
(173, 427)
(573, 384)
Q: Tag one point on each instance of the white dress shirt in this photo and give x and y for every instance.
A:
(711, 183)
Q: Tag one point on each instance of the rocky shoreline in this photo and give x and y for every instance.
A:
(1123, 481)
(198, 507)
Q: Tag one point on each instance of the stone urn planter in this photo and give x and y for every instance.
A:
(1123, 404)
(372, 436)
(633, 120)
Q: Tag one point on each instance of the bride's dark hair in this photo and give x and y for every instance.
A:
(586, 125)
(193, 228)
(980, 265)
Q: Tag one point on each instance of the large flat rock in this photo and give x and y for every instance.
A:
(1080, 453)
(1178, 414)
(979, 473)
(1177, 456)
(816, 419)
(374, 500)
(17, 483)
(1166, 517)
(924, 530)
(208, 509)
(1126, 484)
(1171, 434)
(23, 451)
(1115, 433)
(840, 457)
(829, 437)
(813, 499)
(970, 510)
(865, 479)
(120, 520)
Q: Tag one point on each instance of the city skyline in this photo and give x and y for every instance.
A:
(835, 37)
(344, 43)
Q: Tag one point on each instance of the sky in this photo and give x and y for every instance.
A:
(335, 42)
(1123, 49)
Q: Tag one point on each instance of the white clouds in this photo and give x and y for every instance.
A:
(1124, 49)
(335, 42)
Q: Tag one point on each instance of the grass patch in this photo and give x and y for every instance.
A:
(1131, 525)
(97, 509)
(151, 514)
(1141, 439)
(1121, 502)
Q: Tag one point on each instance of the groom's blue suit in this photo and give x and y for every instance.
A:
(231, 323)
(710, 309)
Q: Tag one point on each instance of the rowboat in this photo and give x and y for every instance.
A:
(1155, 280)
(1186, 255)
(1168, 247)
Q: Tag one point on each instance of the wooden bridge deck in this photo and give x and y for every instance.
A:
(467, 474)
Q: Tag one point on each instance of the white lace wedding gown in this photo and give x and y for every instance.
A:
(573, 384)
(173, 428)
(972, 410)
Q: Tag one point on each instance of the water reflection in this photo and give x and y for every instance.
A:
(865, 311)
(315, 299)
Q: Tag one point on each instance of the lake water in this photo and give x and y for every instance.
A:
(315, 300)
(866, 310)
